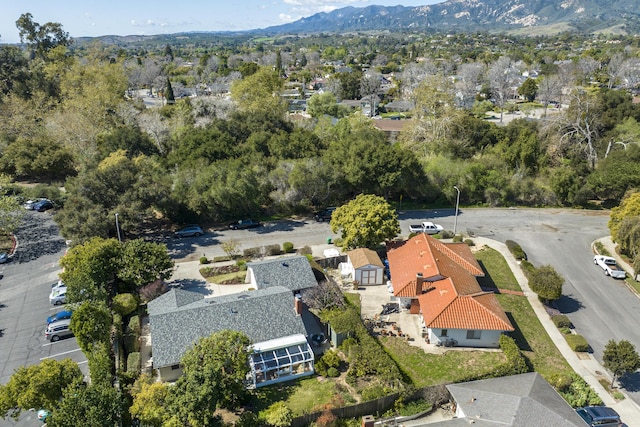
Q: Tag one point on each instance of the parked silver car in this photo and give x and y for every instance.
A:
(189, 231)
(57, 330)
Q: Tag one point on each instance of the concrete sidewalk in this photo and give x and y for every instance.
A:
(588, 368)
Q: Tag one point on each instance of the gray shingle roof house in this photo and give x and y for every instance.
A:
(525, 400)
(179, 318)
(294, 273)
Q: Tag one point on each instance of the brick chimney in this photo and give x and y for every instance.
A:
(419, 282)
(297, 304)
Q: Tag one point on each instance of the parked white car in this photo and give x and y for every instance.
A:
(58, 296)
(610, 266)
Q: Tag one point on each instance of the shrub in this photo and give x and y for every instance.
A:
(413, 234)
(306, 250)
(339, 242)
(414, 407)
(125, 304)
(277, 415)
(133, 362)
(469, 242)
(446, 234)
(577, 342)
(241, 264)
(576, 391)
(516, 362)
(287, 247)
(527, 267)
(273, 249)
(152, 290)
(222, 258)
(565, 331)
(457, 238)
(204, 260)
(601, 249)
(333, 372)
(251, 253)
(561, 321)
(516, 250)
(134, 325)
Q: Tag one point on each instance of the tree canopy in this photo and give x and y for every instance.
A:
(620, 358)
(365, 222)
(39, 386)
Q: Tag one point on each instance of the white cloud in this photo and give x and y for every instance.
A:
(286, 18)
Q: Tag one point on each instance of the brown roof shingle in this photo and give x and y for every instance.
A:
(362, 256)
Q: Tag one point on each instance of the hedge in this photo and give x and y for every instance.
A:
(516, 250)
(273, 249)
(133, 363)
(577, 342)
(516, 362)
(561, 321)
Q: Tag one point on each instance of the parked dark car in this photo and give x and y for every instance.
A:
(43, 205)
(324, 215)
(599, 416)
(244, 224)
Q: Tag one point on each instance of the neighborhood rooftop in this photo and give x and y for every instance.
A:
(179, 318)
(294, 273)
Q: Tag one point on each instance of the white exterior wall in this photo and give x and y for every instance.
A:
(488, 339)
(169, 375)
(379, 274)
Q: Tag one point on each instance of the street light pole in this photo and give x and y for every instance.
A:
(455, 221)
(118, 229)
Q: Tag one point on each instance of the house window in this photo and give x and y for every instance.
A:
(444, 332)
(473, 335)
(175, 367)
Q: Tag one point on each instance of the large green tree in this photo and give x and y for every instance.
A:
(150, 402)
(144, 262)
(259, 92)
(629, 207)
(96, 405)
(620, 358)
(91, 324)
(10, 210)
(41, 38)
(90, 270)
(38, 386)
(214, 370)
(365, 222)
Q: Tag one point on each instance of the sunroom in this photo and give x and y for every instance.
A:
(281, 359)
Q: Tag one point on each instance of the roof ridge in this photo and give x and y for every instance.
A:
(453, 255)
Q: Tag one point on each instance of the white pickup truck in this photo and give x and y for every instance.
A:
(426, 227)
(610, 267)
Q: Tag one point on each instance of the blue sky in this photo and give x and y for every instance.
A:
(108, 17)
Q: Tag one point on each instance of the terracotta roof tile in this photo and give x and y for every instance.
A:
(442, 308)
(362, 256)
(450, 296)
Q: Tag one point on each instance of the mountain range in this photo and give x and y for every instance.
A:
(519, 16)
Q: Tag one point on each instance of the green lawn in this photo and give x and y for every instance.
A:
(302, 396)
(530, 335)
(429, 369)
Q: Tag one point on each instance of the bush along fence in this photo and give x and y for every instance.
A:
(437, 395)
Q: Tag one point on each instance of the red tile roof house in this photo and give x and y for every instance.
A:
(438, 281)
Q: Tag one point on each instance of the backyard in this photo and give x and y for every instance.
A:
(423, 369)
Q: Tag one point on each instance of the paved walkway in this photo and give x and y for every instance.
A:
(588, 368)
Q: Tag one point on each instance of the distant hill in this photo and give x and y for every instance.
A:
(522, 16)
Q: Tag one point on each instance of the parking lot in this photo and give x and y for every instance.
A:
(24, 299)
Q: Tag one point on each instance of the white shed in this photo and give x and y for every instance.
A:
(366, 266)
